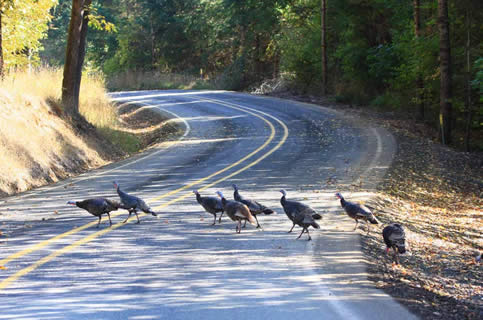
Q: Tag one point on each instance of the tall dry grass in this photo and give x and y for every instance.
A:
(46, 84)
(36, 145)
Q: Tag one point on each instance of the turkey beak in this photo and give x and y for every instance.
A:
(71, 203)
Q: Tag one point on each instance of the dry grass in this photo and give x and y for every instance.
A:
(36, 145)
(46, 84)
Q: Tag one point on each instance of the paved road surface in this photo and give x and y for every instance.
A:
(177, 266)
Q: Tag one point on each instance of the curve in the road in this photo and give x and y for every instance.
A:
(6, 282)
(44, 243)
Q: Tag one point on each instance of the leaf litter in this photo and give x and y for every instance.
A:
(436, 193)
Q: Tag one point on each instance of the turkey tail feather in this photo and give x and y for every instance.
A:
(268, 211)
(373, 220)
(316, 216)
(151, 212)
(251, 219)
(315, 225)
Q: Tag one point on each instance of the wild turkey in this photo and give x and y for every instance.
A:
(97, 207)
(211, 205)
(132, 203)
(254, 206)
(356, 211)
(237, 211)
(300, 214)
(477, 256)
(395, 238)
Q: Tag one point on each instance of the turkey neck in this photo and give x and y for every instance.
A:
(81, 204)
(283, 201)
(120, 192)
(198, 198)
(236, 195)
(223, 201)
(343, 202)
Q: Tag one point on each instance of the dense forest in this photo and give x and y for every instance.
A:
(420, 57)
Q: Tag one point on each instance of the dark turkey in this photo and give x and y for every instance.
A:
(254, 206)
(97, 207)
(132, 203)
(356, 211)
(237, 211)
(300, 214)
(211, 205)
(395, 238)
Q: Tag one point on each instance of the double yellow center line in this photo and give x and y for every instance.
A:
(256, 113)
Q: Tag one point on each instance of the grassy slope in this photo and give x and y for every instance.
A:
(38, 146)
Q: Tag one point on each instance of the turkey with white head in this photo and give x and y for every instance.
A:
(97, 207)
(395, 238)
(357, 211)
(254, 206)
(211, 205)
(132, 203)
(237, 211)
(300, 214)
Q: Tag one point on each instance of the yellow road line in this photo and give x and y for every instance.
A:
(44, 243)
(272, 135)
(40, 262)
(5, 283)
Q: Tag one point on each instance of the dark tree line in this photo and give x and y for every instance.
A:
(421, 56)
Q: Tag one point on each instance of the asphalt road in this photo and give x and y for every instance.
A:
(58, 265)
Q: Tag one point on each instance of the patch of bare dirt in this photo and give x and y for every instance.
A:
(436, 193)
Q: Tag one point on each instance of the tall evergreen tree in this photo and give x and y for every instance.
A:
(445, 95)
(323, 42)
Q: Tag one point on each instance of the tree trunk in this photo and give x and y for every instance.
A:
(2, 73)
(445, 95)
(468, 106)
(419, 79)
(153, 41)
(82, 47)
(75, 53)
(323, 43)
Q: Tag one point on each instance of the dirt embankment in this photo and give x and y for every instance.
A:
(436, 193)
(39, 145)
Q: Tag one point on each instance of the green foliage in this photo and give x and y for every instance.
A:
(374, 56)
(477, 83)
(99, 22)
(24, 24)
(300, 42)
(124, 140)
